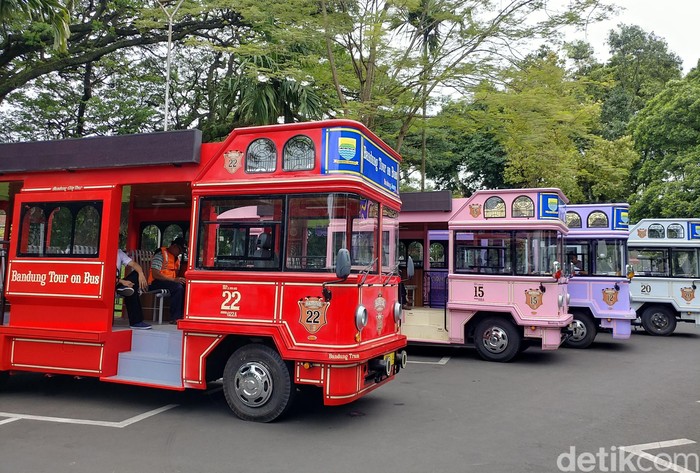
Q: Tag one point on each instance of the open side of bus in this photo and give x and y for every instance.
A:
(271, 302)
(491, 273)
(664, 255)
(596, 260)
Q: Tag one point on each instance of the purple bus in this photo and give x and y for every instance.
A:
(596, 252)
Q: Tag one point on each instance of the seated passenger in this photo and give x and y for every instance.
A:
(165, 268)
(128, 287)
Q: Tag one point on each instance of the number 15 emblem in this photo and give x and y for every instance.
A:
(312, 313)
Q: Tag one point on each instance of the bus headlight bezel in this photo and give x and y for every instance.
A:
(361, 317)
(398, 310)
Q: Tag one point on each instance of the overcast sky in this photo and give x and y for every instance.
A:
(676, 21)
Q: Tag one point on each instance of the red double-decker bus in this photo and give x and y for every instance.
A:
(291, 279)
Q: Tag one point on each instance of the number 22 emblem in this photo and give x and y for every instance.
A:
(312, 313)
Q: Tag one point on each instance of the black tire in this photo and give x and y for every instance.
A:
(4, 376)
(497, 339)
(658, 320)
(585, 330)
(258, 384)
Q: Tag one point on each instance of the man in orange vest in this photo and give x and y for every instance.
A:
(165, 270)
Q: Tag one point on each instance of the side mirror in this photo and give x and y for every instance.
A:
(410, 268)
(342, 264)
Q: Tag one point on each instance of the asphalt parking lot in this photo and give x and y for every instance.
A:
(617, 406)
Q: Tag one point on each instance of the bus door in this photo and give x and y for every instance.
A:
(414, 286)
(62, 258)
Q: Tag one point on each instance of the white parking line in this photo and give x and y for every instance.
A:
(443, 361)
(639, 450)
(101, 423)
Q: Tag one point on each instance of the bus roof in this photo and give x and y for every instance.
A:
(512, 209)
(665, 232)
(597, 220)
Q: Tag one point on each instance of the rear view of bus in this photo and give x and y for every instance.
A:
(664, 255)
(596, 260)
(505, 287)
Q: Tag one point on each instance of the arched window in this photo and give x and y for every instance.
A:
(437, 255)
(494, 207)
(675, 230)
(87, 231)
(656, 230)
(523, 206)
(415, 251)
(60, 227)
(150, 238)
(573, 220)
(34, 222)
(261, 156)
(171, 232)
(299, 154)
(598, 219)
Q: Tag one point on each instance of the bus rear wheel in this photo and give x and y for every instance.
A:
(658, 320)
(257, 384)
(584, 331)
(4, 376)
(497, 339)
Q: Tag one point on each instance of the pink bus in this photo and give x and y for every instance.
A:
(487, 270)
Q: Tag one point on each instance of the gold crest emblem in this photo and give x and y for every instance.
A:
(312, 313)
(610, 296)
(533, 298)
(642, 232)
(475, 210)
(233, 160)
(688, 293)
(380, 322)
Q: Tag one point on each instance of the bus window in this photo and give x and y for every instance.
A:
(684, 263)
(390, 239)
(71, 229)
(649, 262)
(608, 257)
(483, 252)
(239, 233)
(150, 238)
(536, 252)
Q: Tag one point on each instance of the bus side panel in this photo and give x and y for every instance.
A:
(55, 355)
(196, 347)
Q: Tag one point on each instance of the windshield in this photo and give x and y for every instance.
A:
(600, 257)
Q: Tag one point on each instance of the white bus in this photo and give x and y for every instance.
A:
(664, 254)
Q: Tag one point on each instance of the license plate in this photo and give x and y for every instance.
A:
(389, 357)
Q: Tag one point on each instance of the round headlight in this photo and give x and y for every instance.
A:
(397, 312)
(560, 300)
(360, 317)
(568, 298)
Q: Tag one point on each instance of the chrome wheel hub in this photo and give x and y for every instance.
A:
(578, 331)
(495, 340)
(253, 384)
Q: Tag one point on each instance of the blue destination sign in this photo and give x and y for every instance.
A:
(348, 151)
(548, 205)
(693, 231)
(621, 218)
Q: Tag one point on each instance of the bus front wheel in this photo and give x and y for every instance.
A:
(497, 339)
(658, 320)
(257, 383)
(584, 331)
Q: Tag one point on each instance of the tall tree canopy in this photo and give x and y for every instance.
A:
(667, 134)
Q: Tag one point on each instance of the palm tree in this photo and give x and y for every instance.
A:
(261, 94)
(51, 12)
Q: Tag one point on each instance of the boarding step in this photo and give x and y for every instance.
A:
(155, 359)
(149, 369)
(159, 342)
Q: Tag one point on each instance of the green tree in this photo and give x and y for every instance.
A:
(103, 27)
(36, 15)
(640, 66)
(666, 133)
